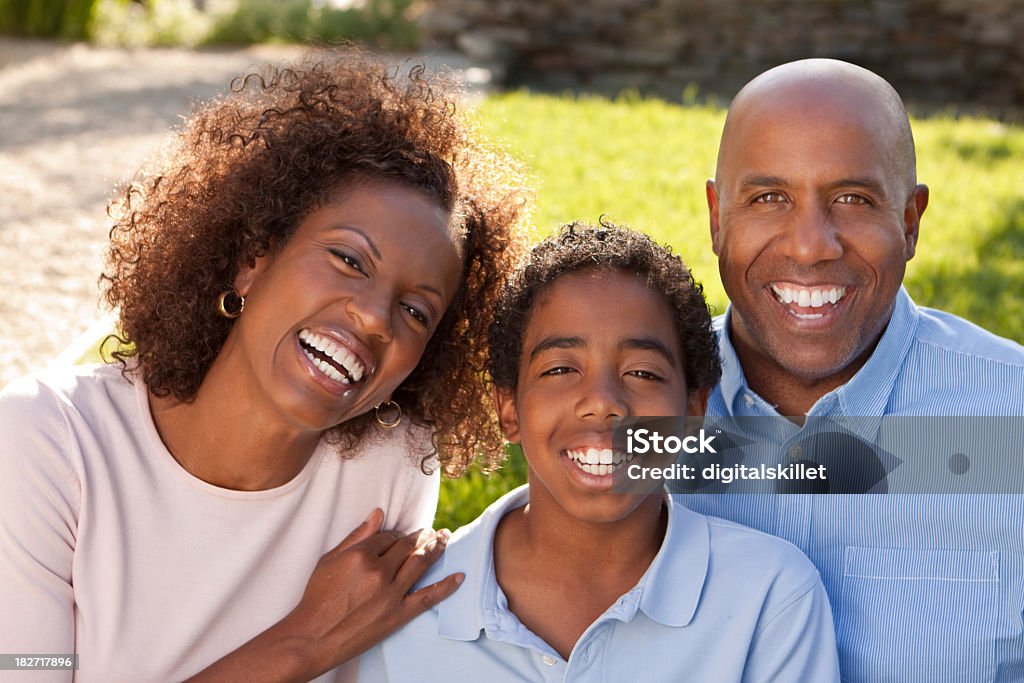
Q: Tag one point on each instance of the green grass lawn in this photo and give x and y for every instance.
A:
(644, 162)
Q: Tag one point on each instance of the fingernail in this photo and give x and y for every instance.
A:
(459, 578)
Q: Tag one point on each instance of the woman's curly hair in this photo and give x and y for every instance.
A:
(579, 247)
(245, 171)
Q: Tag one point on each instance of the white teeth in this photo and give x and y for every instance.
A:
(326, 368)
(338, 353)
(809, 297)
(598, 461)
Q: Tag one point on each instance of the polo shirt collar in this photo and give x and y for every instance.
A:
(669, 591)
(470, 609)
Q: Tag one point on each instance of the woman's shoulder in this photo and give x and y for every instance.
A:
(41, 412)
(68, 386)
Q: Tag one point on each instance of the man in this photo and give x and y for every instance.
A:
(815, 210)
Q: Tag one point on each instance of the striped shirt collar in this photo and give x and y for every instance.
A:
(867, 393)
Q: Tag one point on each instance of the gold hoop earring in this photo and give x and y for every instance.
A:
(388, 421)
(233, 299)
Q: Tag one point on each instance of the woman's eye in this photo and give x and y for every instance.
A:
(348, 260)
(417, 315)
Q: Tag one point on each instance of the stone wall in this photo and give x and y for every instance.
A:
(962, 52)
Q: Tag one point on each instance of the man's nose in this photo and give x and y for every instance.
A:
(810, 237)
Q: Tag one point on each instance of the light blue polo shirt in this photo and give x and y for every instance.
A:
(924, 587)
(719, 603)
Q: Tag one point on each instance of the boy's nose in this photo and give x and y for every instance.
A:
(601, 397)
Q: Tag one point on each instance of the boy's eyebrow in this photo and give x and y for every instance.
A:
(557, 343)
(634, 343)
(650, 344)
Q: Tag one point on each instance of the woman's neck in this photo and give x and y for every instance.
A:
(228, 438)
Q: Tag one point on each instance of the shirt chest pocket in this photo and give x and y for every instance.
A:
(913, 614)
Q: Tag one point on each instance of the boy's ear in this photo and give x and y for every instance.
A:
(697, 402)
(505, 406)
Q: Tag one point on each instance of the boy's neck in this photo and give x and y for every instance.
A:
(560, 573)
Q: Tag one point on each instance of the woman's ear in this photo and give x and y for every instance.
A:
(508, 416)
(248, 274)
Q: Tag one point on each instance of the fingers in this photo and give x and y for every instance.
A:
(418, 559)
(369, 527)
(420, 601)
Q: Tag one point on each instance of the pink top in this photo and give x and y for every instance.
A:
(110, 549)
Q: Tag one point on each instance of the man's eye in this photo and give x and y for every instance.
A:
(418, 315)
(852, 199)
(560, 370)
(769, 198)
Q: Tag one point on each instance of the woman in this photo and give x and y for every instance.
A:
(296, 278)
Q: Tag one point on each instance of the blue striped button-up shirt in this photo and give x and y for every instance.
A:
(923, 587)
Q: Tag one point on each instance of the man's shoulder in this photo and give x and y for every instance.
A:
(945, 334)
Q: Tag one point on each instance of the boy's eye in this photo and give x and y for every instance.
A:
(645, 374)
(560, 370)
(416, 314)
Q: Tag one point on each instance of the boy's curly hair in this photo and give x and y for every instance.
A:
(248, 167)
(580, 247)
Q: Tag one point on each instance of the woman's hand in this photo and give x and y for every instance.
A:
(358, 595)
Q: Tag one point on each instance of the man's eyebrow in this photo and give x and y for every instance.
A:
(650, 344)
(369, 242)
(557, 343)
(754, 182)
(869, 184)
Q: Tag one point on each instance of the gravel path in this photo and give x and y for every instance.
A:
(75, 122)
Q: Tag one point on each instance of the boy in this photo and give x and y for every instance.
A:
(570, 580)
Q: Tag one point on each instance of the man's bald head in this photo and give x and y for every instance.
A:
(814, 213)
(827, 87)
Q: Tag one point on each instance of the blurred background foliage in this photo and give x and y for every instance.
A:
(384, 24)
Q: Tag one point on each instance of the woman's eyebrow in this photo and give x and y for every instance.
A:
(369, 242)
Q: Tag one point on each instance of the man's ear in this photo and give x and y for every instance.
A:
(505, 406)
(912, 213)
(697, 402)
(712, 194)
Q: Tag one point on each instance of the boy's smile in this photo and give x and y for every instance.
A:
(598, 345)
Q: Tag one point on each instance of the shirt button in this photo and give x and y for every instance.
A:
(548, 660)
(749, 399)
(795, 451)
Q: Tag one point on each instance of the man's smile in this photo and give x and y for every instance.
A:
(808, 302)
